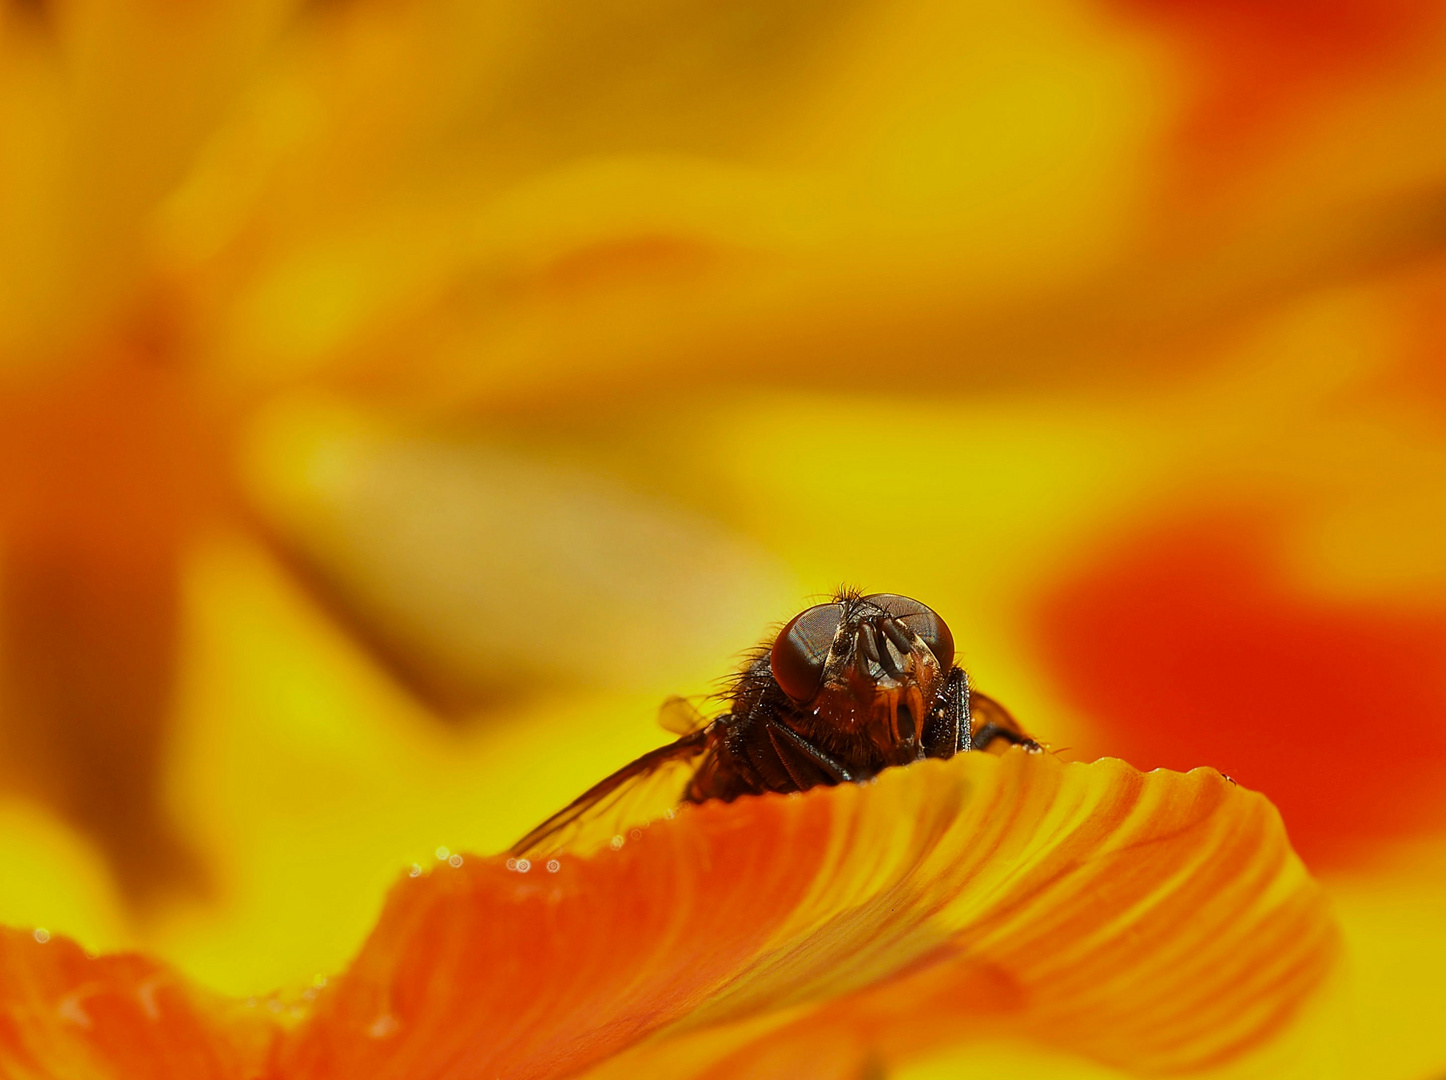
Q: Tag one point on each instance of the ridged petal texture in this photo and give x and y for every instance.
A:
(65, 1015)
(1155, 921)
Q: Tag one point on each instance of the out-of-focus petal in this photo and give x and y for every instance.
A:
(1187, 645)
(1396, 944)
(103, 106)
(1158, 921)
(102, 472)
(478, 573)
(1259, 66)
(68, 1016)
(809, 215)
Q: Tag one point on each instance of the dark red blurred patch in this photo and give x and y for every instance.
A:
(1259, 61)
(1188, 648)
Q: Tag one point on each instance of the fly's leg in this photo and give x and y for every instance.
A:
(801, 758)
(958, 704)
(950, 730)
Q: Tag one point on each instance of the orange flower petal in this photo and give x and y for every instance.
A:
(1156, 921)
(67, 1016)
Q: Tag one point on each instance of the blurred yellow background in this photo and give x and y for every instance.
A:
(399, 398)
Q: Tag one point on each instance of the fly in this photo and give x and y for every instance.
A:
(845, 690)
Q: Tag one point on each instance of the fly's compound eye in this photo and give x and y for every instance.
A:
(922, 620)
(802, 647)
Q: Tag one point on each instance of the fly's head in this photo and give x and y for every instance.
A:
(866, 665)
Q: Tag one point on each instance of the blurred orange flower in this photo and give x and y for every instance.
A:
(1157, 922)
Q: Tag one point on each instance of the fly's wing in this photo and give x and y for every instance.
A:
(630, 797)
(986, 713)
(680, 716)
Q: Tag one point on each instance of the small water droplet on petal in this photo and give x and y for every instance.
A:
(69, 1008)
(146, 993)
(382, 1026)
